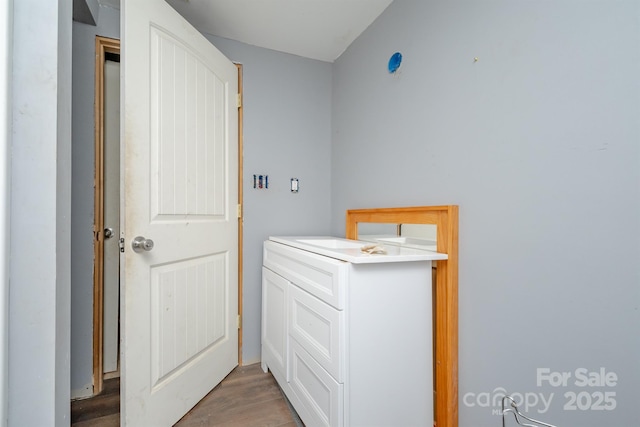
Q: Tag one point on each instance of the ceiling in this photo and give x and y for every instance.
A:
(317, 29)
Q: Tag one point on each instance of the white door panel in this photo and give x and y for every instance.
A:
(180, 299)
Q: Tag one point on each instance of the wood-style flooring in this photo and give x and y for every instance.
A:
(246, 397)
(102, 410)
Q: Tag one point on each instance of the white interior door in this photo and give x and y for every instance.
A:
(180, 157)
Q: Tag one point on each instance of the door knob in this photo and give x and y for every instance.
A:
(140, 244)
(108, 233)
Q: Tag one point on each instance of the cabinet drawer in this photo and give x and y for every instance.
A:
(321, 395)
(319, 329)
(321, 276)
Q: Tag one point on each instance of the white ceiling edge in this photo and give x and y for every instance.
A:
(316, 29)
(111, 3)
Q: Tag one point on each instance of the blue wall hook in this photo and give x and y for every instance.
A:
(394, 62)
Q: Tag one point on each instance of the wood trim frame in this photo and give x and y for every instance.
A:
(446, 292)
(241, 213)
(103, 45)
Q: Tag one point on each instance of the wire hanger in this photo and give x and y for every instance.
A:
(518, 415)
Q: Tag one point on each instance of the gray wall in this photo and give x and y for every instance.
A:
(287, 133)
(39, 320)
(108, 25)
(538, 143)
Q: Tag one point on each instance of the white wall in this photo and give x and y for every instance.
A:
(6, 23)
(108, 25)
(39, 319)
(537, 142)
(287, 131)
(63, 215)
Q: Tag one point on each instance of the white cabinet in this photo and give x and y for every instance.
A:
(349, 343)
(274, 322)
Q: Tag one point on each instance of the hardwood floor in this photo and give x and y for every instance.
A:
(247, 397)
(99, 411)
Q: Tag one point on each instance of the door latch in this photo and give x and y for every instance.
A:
(121, 244)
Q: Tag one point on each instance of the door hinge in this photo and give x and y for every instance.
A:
(239, 211)
(239, 321)
(239, 100)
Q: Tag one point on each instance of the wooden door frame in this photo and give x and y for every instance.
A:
(240, 212)
(446, 294)
(106, 45)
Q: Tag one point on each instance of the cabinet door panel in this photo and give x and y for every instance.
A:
(321, 395)
(274, 323)
(319, 328)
